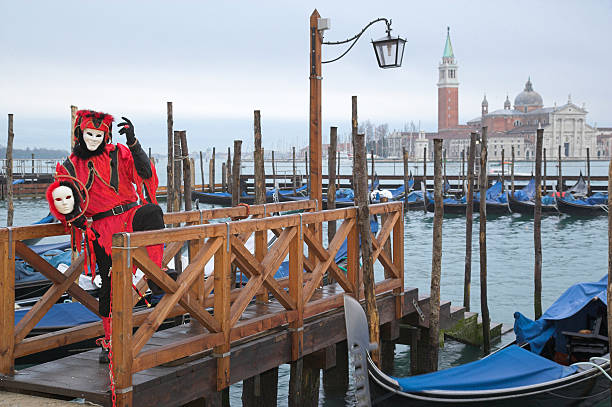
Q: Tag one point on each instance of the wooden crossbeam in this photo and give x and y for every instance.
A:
(324, 255)
(41, 265)
(263, 273)
(176, 291)
(383, 235)
(320, 268)
(43, 305)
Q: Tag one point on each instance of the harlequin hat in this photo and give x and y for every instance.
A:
(89, 119)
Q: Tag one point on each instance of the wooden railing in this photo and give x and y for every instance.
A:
(216, 307)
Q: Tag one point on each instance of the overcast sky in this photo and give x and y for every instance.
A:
(218, 61)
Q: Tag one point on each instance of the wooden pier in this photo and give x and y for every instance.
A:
(231, 336)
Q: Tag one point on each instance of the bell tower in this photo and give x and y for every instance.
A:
(448, 88)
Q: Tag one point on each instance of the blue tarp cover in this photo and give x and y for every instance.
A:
(494, 194)
(572, 302)
(526, 193)
(595, 199)
(508, 368)
(62, 315)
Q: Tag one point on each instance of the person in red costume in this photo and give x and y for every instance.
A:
(117, 178)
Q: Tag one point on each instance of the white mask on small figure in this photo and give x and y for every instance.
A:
(93, 138)
(63, 199)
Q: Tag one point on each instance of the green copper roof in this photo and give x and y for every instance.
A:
(448, 48)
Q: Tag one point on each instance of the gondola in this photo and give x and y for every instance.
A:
(496, 200)
(522, 201)
(225, 198)
(595, 205)
(512, 376)
(451, 206)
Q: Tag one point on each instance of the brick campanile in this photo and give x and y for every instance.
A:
(448, 88)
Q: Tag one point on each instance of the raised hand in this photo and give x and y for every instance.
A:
(127, 128)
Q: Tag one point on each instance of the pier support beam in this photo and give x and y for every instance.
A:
(335, 379)
(260, 390)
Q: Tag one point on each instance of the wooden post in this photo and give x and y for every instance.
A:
(588, 171)
(258, 162)
(121, 336)
(186, 171)
(73, 112)
(177, 171)
(294, 173)
(436, 261)
(222, 282)
(331, 184)
(202, 171)
(560, 176)
(236, 173)
(33, 167)
(372, 174)
(469, 211)
(307, 174)
(444, 179)
(212, 172)
(223, 178)
(463, 170)
(406, 177)
(273, 171)
(7, 303)
(544, 190)
(512, 172)
(170, 166)
(228, 168)
(484, 308)
(503, 174)
(425, 179)
(9, 172)
(363, 210)
(537, 228)
(314, 68)
(338, 173)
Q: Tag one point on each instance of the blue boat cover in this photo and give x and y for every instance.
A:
(494, 194)
(581, 302)
(53, 252)
(62, 315)
(526, 193)
(508, 368)
(598, 198)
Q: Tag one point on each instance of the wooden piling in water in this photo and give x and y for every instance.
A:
(273, 171)
(512, 172)
(177, 171)
(544, 187)
(307, 173)
(331, 184)
(484, 307)
(170, 165)
(294, 172)
(463, 170)
(211, 172)
(444, 158)
(537, 228)
(9, 172)
(338, 173)
(223, 178)
(588, 171)
(424, 187)
(258, 161)
(73, 112)
(406, 177)
(363, 211)
(560, 179)
(469, 211)
(186, 171)
(202, 170)
(236, 173)
(228, 168)
(436, 260)
(372, 173)
(502, 169)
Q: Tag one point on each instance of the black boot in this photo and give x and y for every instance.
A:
(103, 358)
(155, 289)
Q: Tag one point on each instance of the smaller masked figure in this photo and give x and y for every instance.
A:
(121, 183)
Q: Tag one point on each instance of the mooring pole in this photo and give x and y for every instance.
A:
(177, 171)
(436, 260)
(228, 168)
(484, 308)
(202, 171)
(186, 171)
(338, 173)
(544, 190)
(170, 165)
(363, 217)
(372, 180)
(537, 228)
(560, 179)
(588, 171)
(445, 180)
(211, 174)
(223, 178)
(503, 174)
(294, 171)
(307, 174)
(273, 171)
(258, 161)
(463, 170)
(469, 221)
(9, 171)
(236, 173)
(406, 177)
(512, 172)
(424, 179)
(331, 180)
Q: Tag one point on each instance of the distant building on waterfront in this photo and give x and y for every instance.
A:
(508, 127)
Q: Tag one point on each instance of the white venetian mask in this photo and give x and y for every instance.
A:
(63, 199)
(93, 138)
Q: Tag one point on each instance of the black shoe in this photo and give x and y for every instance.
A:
(155, 289)
(103, 358)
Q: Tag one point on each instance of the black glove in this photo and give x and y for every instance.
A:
(127, 128)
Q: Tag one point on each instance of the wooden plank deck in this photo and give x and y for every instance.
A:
(179, 382)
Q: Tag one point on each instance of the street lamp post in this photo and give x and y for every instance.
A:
(389, 52)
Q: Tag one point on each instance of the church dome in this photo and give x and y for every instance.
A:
(528, 97)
